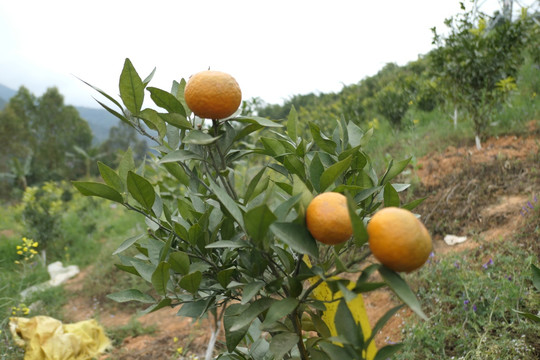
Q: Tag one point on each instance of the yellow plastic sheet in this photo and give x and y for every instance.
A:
(356, 306)
(46, 338)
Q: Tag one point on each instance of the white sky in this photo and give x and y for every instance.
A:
(275, 49)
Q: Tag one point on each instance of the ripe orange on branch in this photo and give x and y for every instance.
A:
(398, 239)
(212, 94)
(327, 218)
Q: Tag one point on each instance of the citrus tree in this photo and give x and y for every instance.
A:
(225, 197)
(477, 63)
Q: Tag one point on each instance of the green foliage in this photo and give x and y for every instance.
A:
(41, 131)
(236, 250)
(475, 59)
(41, 212)
(471, 299)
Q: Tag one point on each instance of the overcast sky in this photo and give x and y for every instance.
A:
(275, 49)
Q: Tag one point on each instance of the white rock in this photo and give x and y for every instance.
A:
(59, 275)
(453, 239)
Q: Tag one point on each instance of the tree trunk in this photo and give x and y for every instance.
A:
(455, 117)
(212, 343)
(477, 141)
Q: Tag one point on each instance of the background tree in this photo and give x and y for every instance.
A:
(120, 138)
(45, 129)
(477, 61)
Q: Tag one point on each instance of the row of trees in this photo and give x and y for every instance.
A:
(44, 139)
(473, 68)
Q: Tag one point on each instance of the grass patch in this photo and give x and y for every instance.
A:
(470, 297)
(90, 232)
(131, 329)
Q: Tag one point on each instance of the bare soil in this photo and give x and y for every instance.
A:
(469, 192)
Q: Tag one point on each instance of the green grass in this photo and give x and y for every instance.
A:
(91, 230)
(470, 297)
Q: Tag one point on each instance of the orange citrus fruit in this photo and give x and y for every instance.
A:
(212, 94)
(327, 218)
(398, 239)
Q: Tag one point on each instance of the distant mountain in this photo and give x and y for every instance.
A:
(6, 94)
(100, 120)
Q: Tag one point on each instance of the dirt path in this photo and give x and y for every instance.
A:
(481, 191)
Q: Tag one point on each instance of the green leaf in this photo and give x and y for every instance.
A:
(224, 277)
(141, 190)
(322, 142)
(359, 229)
(263, 122)
(179, 261)
(160, 305)
(233, 338)
(282, 343)
(176, 120)
(394, 169)
(533, 317)
(131, 88)
(279, 310)
(252, 185)
(355, 134)
(149, 78)
(99, 190)
(195, 309)
(536, 276)
(254, 309)
(227, 202)
(179, 155)
(178, 172)
(152, 119)
(126, 164)
(295, 166)
(413, 204)
(160, 278)
(364, 194)
(103, 93)
(316, 169)
(131, 295)
(167, 101)
(257, 221)
(345, 324)
(191, 282)
(127, 243)
(387, 352)
(250, 290)
(116, 113)
(333, 172)
(292, 124)
(297, 237)
(273, 147)
(335, 352)
(382, 321)
(198, 137)
(110, 177)
(390, 196)
(144, 269)
(230, 244)
(402, 290)
(285, 207)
